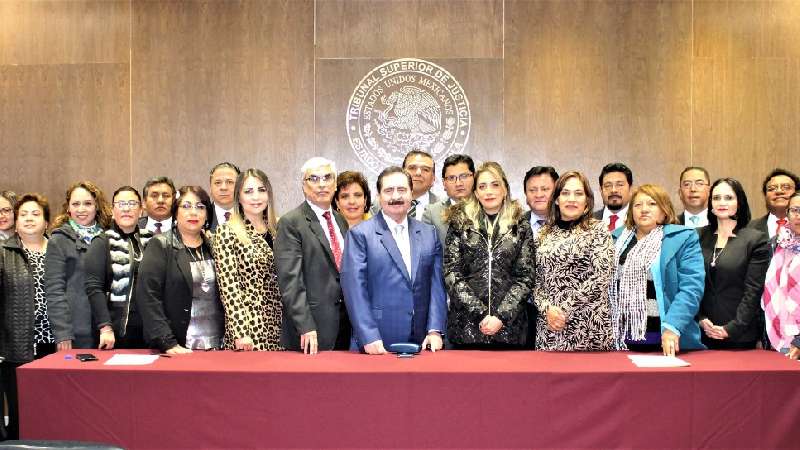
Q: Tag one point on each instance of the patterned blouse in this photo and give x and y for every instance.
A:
(42, 333)
(574, 267)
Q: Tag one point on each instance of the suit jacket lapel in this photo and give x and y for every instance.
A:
(316, 228)
(183, 261)
(387, 239)
(415, 239)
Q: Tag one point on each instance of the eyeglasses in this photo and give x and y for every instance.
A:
(6, 211)
(696, 183)
(127, 204)
(316, 179)
(460, 177)
(783, 187)
(794, 211)
(197, 206)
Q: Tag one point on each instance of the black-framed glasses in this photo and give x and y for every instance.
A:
(460, 177)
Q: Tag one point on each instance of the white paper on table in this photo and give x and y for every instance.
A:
(130, 360)
(657, 361)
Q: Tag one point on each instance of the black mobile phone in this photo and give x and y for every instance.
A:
(86, 357)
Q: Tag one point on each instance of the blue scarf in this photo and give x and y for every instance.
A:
(86, 234)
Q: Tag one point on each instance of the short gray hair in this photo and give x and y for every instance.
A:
(317, 161)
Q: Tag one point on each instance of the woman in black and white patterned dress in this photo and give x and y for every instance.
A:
(25, 332)
(574, 265)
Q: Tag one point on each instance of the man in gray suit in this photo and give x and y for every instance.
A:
(458, 178)
(308, 255)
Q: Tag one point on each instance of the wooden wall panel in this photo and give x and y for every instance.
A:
(63, 32)
(746, 87)
(61, 123)
(217, 81)
(599, 82)
(409, 28)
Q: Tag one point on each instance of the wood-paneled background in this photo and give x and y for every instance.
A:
(119, 90)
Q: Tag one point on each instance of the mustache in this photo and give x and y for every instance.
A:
(396, 202)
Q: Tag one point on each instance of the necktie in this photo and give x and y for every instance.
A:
(695, 220)
(335, 247)
(781, 224)
(612, 222)
(413, 211)
(227, 216)
(158, 227)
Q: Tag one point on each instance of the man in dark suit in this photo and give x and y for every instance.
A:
(458, 178)
(616, 180)
(159, 194)
(694, 189)
(392, 274)
(222, 180)
(777, 188)
(308, 252)
(420, 165)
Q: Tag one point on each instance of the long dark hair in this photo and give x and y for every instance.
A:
(554, 213)
(742, 216)
(204, 199)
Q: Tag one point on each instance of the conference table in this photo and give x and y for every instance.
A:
(463, 399)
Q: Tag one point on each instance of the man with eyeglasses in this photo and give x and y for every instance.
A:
(458, 173)
(777, 188)
(693, 191)
(222, 181)
(616, 180)
(308, 255)
(159, 194)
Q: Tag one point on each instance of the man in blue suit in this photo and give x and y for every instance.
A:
(392, 274)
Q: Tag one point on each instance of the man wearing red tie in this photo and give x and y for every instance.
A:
(778, 187)
(308, 256)
(615, 186)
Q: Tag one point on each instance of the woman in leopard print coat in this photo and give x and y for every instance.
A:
(245, 267)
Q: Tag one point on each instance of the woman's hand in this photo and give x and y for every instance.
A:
(556, 319)
(670, 343)
(178, 350)
(794, 352)
(490, 325)
(64, 345)
(244, 343)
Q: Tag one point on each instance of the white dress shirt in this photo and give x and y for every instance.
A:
(219, 211)
(324, 223)
(702, 219)
(166, 224)
(400, 233)
(621, 215)
(422, 202)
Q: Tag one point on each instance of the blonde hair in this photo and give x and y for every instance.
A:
(236, 222)
(509, 213)
(661, 198)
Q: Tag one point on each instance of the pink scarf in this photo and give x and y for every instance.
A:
(781, 299)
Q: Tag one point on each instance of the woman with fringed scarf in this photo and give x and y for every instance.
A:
(84, 215)
(781, 300)
(658, 279)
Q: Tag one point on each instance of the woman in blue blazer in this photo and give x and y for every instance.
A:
(659, 277)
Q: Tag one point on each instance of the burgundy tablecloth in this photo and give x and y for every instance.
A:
(448, 399)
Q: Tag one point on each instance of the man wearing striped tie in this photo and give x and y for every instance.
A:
(158, 195)
(616, 180)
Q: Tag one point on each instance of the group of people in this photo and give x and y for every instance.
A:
(189, 269)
